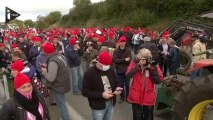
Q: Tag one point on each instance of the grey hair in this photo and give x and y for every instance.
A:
(144, 53)
(147, 38)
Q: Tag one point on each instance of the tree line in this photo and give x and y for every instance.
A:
(123, 13)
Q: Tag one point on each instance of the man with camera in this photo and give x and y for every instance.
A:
(144, 73)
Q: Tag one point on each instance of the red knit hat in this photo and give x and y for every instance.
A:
(1, 45)
(72, 41)
(20, 80)
(14, 45)
(17, 65)
(101, 39)
(105, 58)
(48, 48)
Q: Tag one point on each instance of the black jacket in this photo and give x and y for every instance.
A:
(93, 87)
(4, 58)
(25, 47)
(119, 59)
(153, 48)
(73, 56)
(12, 110)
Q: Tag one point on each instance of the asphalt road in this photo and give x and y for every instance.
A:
(79, 109)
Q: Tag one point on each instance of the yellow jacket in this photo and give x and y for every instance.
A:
(198, 47)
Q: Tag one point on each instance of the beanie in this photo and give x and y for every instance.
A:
(72, 41)
(101, 39)
(20, 80)
(48, 48)
(105, 58)
(17, 65)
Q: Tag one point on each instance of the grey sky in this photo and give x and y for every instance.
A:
(30, 9)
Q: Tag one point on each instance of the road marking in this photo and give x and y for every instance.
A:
(74, 115)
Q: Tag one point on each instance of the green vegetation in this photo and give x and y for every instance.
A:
(154, 14)
(134, 12)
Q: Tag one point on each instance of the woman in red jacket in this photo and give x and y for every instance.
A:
(144, 75)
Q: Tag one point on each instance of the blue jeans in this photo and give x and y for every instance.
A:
(77, 77)
(196, 73)
(61, 104)
(105, 114)
(124, 84)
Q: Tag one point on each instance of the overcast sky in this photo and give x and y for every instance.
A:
(30, 9)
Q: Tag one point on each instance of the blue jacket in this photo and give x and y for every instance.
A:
(34, 52)
(72, 55)
(174, 57)
(40, 59)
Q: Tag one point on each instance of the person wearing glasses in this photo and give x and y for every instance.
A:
(144, 74)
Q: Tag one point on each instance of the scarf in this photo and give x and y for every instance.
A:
(30, 105)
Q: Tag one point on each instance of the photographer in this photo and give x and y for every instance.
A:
(144, 73)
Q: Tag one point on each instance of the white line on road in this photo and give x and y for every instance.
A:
(74, 115)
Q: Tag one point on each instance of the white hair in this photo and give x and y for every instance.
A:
(144, 53)
(147, 38)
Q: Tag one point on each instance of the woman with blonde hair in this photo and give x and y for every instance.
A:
(144, 75)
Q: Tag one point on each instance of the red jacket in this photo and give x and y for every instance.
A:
(143, 92)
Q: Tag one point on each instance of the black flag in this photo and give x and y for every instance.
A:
(10, 14)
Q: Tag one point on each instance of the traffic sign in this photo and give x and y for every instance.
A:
(10, 15)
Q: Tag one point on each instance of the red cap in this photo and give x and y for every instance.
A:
(38, 39)
(111, 35)
(122, 39)
(72, 41)
(101, 39)
(17, 65)
(14, 45)
(5, 39)
(20, 80)
(105, 58)
(51, 38)
(1, 45)
(48, 48)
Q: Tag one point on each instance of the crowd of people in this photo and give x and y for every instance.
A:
(123, 62)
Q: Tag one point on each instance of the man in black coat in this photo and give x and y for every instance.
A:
(100, 86)
(24, 46)
(4, 57)
(121, 59)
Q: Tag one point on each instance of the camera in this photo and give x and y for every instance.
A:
(150, 61)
